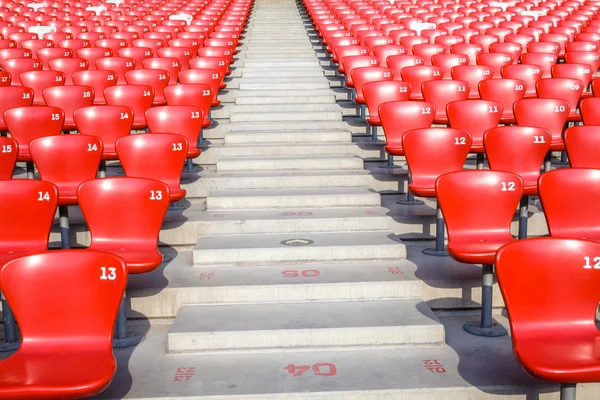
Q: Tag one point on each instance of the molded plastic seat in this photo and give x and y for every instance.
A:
(545, 60)
(51, 53)
(591, 58)
(138, 97)
(219, 63)
(183, 120)
(124, 216)
(69, 99)
(170, 64)
(69, 66)
(16, 66)
(397, 63)
(491, 198)
(28, 123)
(504, 91)
(158, 156)
(183, 54)
(91, 54)
(119, 65)
(495, 60)
(590, 111)
(384, 51)
(448, 61)
(363, 75)
(13, 97)
(419, 74)
(470, 50)
(5, 79)
(447, 146)
(549, 114)
(138, 54)
(157, 78)
(379, 92)
(562, 88)
(442, 93)
(554, 337)
(67, 161)
(474, 74)
(94, 121)
(475, 117)
(351, 62)
(216, 52)
(74, 342)
(6, 54)
(514, 49)
(40, 80)
(98, 80)
(582, 144)
(520, 150)
(399, 117)
(210, 77)
(9, 150)
(428, 50)
(530, 74)
(26, 222)
(197, 95)
(583, 72)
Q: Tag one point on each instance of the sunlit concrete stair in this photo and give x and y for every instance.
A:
(324, 162)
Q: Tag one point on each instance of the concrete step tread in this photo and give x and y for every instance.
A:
(296, 137)
(285, 116)
(288, 326)
(335, 191)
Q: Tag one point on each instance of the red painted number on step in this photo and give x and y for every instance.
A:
(289, 213)
(396, 271)
(371, 212)
(184, 374)
(434, 366)
(323, 369)
(206, 276)
(218, 215)
(295, 274)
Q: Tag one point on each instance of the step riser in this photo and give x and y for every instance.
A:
(350, 163)
(290, 202)
(286, 100)
(288, 138)
(285, 116)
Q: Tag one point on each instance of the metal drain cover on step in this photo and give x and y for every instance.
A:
(297, 242)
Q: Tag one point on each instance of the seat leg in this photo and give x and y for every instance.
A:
(363, 112)
(480, 157)
(390, 163)
(63, 212)
(523, 205)
(189, 165)
(439, 250)
(353, 94)
(102, 169)
(486, 327)
(410, 198)
(10, 328)
(548, 162)
(568, 391)
(121, 338)
(30, 170)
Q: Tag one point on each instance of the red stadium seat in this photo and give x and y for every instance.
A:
(591, 58)
(470, 50)
(69, 66)
(83, 289)
(170, 64)
(514, 49)
(495, 61)
(385, 51)
(119, 65)
(449, 148)
(506, 92)
(184, 120)
(562, 88)
(91, 54)
(530, 74)
(210, 77)
(35, 45)
(183, 54)
(549, 114)
(124, 216)
(69, 99)
(159, 156)
(50, 53)
(197, 95)
(583, 72)
(138, 54)
(138, 97)
(590, 111)
(5, 79)
(216, 52)
(428, 50)
(363, 75)
(113, 44)
(538, 317)
(219, 63)
(351, 62)
(16, 66)
(6, 54)
(8, 157)
(475, 117)
(491, 198)
(582, 144)
(40, 80)
(13, 97)
(74, 44)
(397, 63)
(443, 92)
(419, 74)
(545, 60)
(157, 78)
(474, 74)
(448, 61)
(379, 92)
(98, 80)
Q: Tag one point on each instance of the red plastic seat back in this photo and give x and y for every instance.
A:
(472, 74)
(13, 97)
(184, 120)
(561, 88)
(40, 80)
(157, 78)
(119, 65)
(441, 93)
(351, 62)
(397, 63)
(28, 123)
(69, 66)
(583, 72)
(491, 198)
(495, 61)
(219, 63)
(51, 53)
(94, 121)
(448, 61)
(197, 95)
(549, 114)
(504, 91)
(582, 144)
(590, 111)
(138, 97)
(97, 80)
(216, 52)
(183, 54)
(5, 79)
(384, 51)
(419, 74)
(158, 156)
(530, 74)
(447, 146)
(69, 99)
(16, 66)
(91, 54)
(545, 60)
(84, 288)
(428, 50)
(514, 49)
(530, 273)
(125, 214)
(27, 208)
(559, 190)
(591, 58)
(67, 161)
(377, 93)
(363, 75)
(399, 117)
(475, 117)
(470, 50)
(170, 64)
(210, 77)
(9, 149)
(520, 150)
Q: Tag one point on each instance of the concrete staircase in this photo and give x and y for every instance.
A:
(292, 272)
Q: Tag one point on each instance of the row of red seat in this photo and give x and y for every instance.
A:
(84, 288)
(475, 66)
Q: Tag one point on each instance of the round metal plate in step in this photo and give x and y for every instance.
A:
(297, 242)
